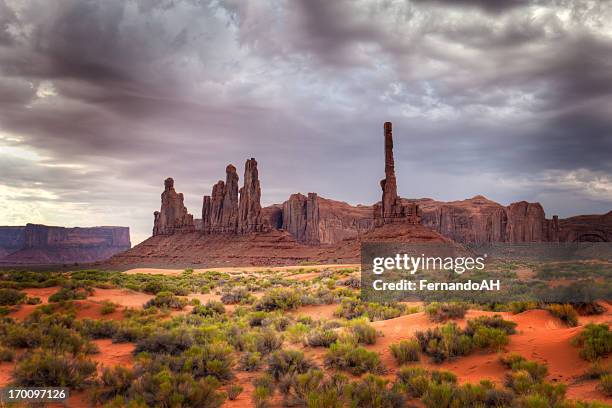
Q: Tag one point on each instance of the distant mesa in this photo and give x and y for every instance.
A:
(36, 244)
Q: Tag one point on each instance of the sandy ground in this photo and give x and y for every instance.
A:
(171, 272)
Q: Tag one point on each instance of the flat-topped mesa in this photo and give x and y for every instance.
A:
(229, 210)
(391, 208)
(173, 216)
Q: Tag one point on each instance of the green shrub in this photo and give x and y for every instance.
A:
(250, 361)
(264, 389)
(605, 385)
(406, 351)
(283, 362)
(521, 306)
(414, 380)
(116, 381)
(168, 342)
(233, 391)
(565, 312)
(65, 294)
(354, 308)
(10, 297)
(491, 322)
(313, 389)
(108, 307)
(363, 332)
(32, 300)
(46, 369)
(372, 391)
(297, 333)
(595, 341)
(166, 300)
(267, 341)
(355, 360)
(490, 338)
(321, 338)
(445, 342)
(210, 309)
(440, 312)
(236, 295)
(439, 395)
(279, 299)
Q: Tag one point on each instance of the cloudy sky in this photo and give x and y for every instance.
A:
(101, 100)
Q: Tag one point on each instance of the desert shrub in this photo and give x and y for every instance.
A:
(108, 307)
(210, 309)
(405, 351)
(313, 389)
(18, 336)
(565, 312)
(443, 376)
(233, 391)
(363, 332)
(258, 319)
(210, 359)
(354, 308)
(414, 380)
(491, 322)
(445, 342)
(470, 395)
(250, 361)
(267, 341)
(62, 339)
(10, 297)
(264, 388)
(595, 371)
(115, 381)
(439, 395)
(167, 342)
(43, 368)
(283, 362)
(595, 341)
(6, 354)
(166, 300)
(490, 338)
(298, 332)
(98, 329)
(605, 385)
(321, 338)
(355, 360)
(65, 294)
(496, 397)
(440, 312)
(165, 389)
(521, 306)
(372, 391)
(537, 372)
(235, 295)
(509, 359)
(279, 299)
(32, 300)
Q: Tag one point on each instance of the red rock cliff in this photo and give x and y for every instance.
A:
(173, 216)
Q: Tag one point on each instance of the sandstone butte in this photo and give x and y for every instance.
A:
(234, 229)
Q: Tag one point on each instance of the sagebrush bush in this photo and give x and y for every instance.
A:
(355, 360)
(595, 341)
(65, 294)
(283, 362)
(406, 351)
(267, 341)
(321, 338)
(233, 391)
(605, 385)
(11, 297)
(440, 312)
(166, 299)
(355, 308)
(372, 391)
(414, 380)
(314, 389)
(444, 342)
(279, 299)
(108, 307)
(565, 312)
(210, 309)
(168, 342)
(250, 361)
(363, 332)
(44, 368)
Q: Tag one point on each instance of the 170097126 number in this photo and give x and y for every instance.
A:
(34, 394)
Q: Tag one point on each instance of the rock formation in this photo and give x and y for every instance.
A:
(41, 244)
(173, 216)
(229, 210)
(392, 208)
(249, 207)
(301, 217)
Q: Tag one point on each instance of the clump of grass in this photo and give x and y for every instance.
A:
(605, 385)
(565, 312)
(108, 307)
(595, 341)
(441, 312)
(406, 351)
(354, 359)
(321, 338)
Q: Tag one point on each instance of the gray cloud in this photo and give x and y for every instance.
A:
(100, 101)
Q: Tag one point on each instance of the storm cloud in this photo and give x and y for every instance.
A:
(101, 100)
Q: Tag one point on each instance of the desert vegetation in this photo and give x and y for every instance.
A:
(267, 339)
